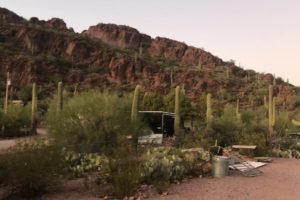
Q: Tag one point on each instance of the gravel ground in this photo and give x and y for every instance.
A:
(280, 181)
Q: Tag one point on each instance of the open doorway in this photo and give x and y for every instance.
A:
(160, 122)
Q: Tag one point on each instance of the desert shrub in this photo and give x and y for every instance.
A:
(25, 93)
(164, 165)
(78, 164)
(33, 165)
(185, 104)
(282, 124)
(293, 101)
(16, 121)
(153, 101)
(91, 122)
(125, 169)
(227, 129)
(248, 116)
(282, 153)
(194, 160)
(257, 139)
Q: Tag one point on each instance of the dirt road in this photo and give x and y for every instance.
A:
(281, 181)
(5, 144)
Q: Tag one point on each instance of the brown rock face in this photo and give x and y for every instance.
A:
(171, 49)
(127, 37)
(118, 36)
(7, 16)
(47, 52)
(56, 23)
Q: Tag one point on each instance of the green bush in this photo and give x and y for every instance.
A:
(185, 104)
(227, 129)
(164, 165)
(16, 122)
(78, 164)
(32, 165)
(91, 122)
(153, 101)
(125, 171)
(257, 139)
(282, 124)
(194, 159)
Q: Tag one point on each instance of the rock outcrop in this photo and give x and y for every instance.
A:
(126, 37)
(118, 36)
(113, 56)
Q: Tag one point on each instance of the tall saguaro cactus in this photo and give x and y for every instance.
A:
(227, 73)
(238, 115)
(33, 106)
(270, 110)
(258, 78)
(8, 83)
(265, 102)
(208, 110)
(274, 111)
(135, 103)
(177, 111)
(60, 102)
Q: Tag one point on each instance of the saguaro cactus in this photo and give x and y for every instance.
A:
(265, 102)
(270, 110)
(60, 102)
(274, 111)
(227, 73)
(135, 103)
(238, 115)
(257, 79)
(33, 106)
(177, 111)
(8, 83)
(208, 110)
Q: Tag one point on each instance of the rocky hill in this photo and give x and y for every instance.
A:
(117, 57)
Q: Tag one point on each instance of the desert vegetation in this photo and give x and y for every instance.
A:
(87, 94)
(96, 132)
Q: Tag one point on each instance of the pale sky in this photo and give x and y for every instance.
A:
(263, 35)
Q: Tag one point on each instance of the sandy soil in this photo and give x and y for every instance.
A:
(281, 180)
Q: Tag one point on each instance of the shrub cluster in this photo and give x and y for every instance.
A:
(31, 166)
(91, 122)
(78, 164)
(16, 122)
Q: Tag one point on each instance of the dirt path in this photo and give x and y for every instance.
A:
(281, 180)
(5, 144)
